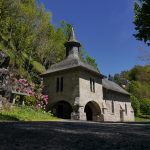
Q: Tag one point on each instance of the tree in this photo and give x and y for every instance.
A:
(142, 20)
(122, 78)
(145, 106)
(138, 86)
(136, 105)
(28, 37)
(66, 28)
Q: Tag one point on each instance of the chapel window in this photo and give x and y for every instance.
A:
(62, 84)
(59, 84)
(113, 108)
(92, 85)
(126, 111)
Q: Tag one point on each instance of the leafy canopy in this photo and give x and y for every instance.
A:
(29, 38)
(142, 20)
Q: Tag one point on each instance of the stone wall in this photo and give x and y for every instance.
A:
(0, 101)
(4, 104)
(70, 87)
(85, 92)
(120, 100)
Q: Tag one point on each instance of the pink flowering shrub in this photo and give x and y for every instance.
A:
(33, 98)
(23, 86)
(42, 101)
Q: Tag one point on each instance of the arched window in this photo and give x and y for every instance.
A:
(126, 111)
(113, 108)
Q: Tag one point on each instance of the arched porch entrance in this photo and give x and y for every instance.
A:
(62, 109)
(93, 112)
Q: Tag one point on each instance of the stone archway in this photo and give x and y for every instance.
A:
(93, 112)
(62, 109)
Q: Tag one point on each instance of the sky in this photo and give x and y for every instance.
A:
(105, 28)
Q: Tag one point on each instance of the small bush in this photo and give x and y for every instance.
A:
(30, 100)
(17, 99)
(136, 105)
(145, 106)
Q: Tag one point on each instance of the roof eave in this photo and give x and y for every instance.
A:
(96, 72)
(125, 93)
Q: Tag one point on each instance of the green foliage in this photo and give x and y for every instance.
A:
(30, 100)
(138, 85)
(141, 90)
(26, 114)
(142, 20)
(91, 61)
(136, 105)
(142, 118)
(140, 81)
(139, 73)
(66, 27)
(28, 37)
(145, 106)
(137, 81)
(86, 58)
(17, 99)
(122, 78)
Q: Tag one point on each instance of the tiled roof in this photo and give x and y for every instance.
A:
(110, 85)
(68, 63)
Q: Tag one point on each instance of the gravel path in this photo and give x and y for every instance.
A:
(69, 135)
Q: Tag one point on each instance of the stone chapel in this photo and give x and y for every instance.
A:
(79, 91)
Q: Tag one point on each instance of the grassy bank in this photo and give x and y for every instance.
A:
(142, 118)
(25, 114)
(138, 119)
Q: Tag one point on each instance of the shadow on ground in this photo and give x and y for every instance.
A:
(8, 118)
(73, 136)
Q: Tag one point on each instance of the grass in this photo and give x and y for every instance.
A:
(25, 113)
(142, 118)
(138, 119)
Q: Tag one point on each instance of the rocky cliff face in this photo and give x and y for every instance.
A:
(4, 103)
(5, 90)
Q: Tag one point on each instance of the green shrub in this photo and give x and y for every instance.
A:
(136, 105)
(145, 106)
(30, 100)
(17, 99)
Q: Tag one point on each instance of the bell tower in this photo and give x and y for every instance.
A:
(72, 46)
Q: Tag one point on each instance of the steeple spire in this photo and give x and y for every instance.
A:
(72, 35)
(72, 45)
